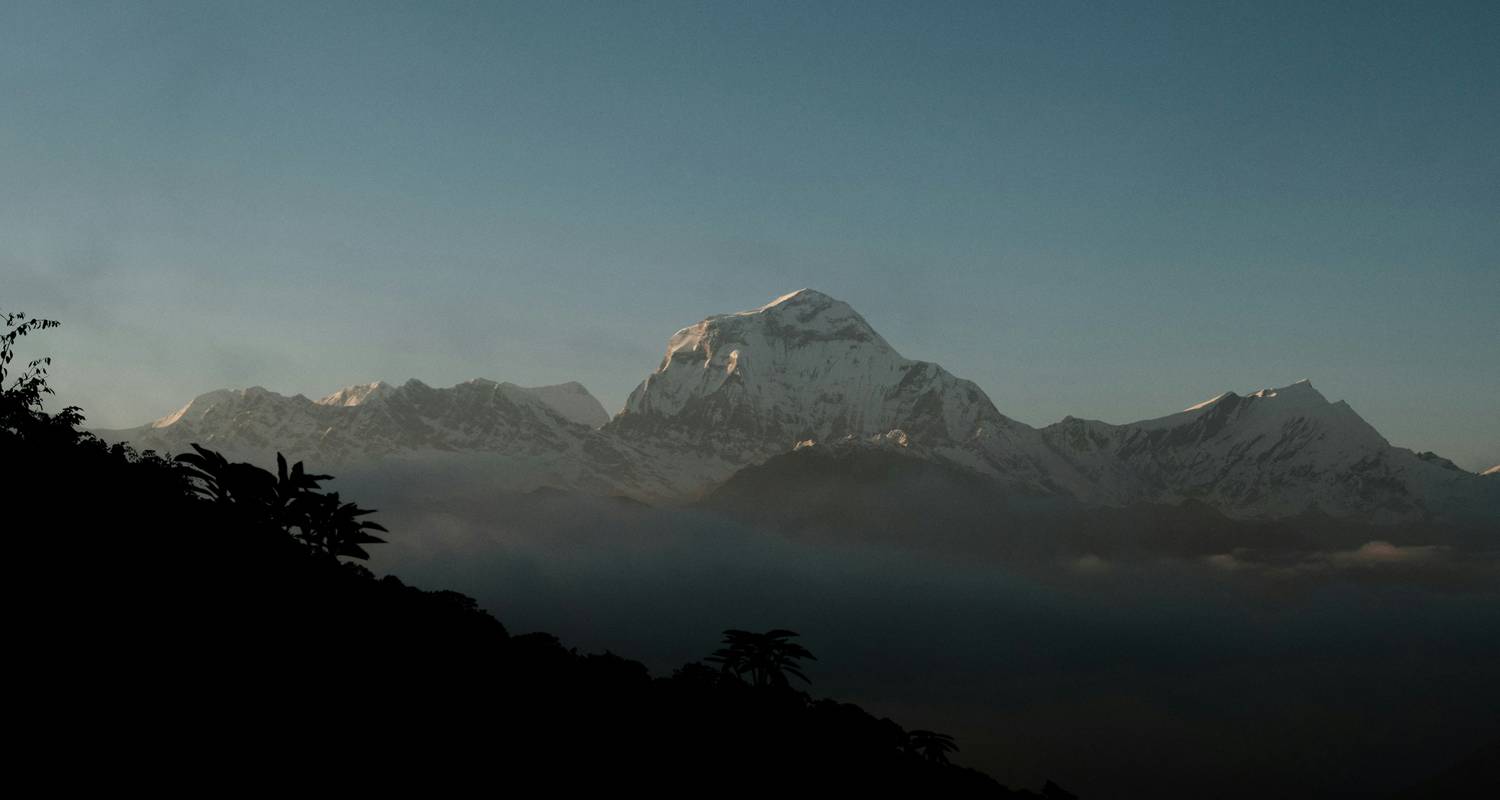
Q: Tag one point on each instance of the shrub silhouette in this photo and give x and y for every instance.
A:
(767, 658)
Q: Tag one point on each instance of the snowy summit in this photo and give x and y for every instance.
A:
(803, 368)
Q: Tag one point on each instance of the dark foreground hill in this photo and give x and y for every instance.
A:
(200, 627)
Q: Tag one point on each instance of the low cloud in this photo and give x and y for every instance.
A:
(1377, 553)
(1229, 562)
(1371, 557)
(1091, 564)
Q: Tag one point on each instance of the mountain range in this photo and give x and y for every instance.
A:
(807, 371)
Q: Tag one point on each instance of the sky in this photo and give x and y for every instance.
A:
(1106, 210)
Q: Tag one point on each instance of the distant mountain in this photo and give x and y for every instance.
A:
(1272, 453)
(527, 437)
(806, 370)
(378, 419)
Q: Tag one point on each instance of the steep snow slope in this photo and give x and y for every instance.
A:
(573, 402)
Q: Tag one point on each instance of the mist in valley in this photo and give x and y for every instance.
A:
(1249, 672)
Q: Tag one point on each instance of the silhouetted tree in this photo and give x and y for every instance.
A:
(21, 402)
(250, 488)
(289, 500)
(930, 745)
(332, 528)
(768, 658)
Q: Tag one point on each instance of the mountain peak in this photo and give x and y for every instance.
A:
(207, 402)
(357, 394)
(1302, 391)
(1209, 402)
(792, 321)
(799, 297)
(801, 317)
(573, 401)
(803, 366)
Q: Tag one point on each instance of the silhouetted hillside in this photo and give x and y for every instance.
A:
(191, 616)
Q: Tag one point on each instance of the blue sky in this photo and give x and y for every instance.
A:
(1100, 209)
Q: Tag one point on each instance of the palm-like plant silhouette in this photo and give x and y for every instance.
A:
(288, 500)
(930, 745)
(333, 528)
(253, 490)
(767, 658)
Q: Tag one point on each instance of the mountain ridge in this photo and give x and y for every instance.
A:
(807, 370)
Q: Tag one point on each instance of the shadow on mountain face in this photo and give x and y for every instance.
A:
(1144, 670)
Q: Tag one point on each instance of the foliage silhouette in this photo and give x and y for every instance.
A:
(768, 658)
(212, 600)
(289, 501)
(21, 402)
(930, 745)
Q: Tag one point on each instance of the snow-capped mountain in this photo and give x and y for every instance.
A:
(804, 369)
(520, 437)
(735, 390)
(378, 419)
(1271, 453)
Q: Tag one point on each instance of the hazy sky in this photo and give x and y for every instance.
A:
(1108, 210)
